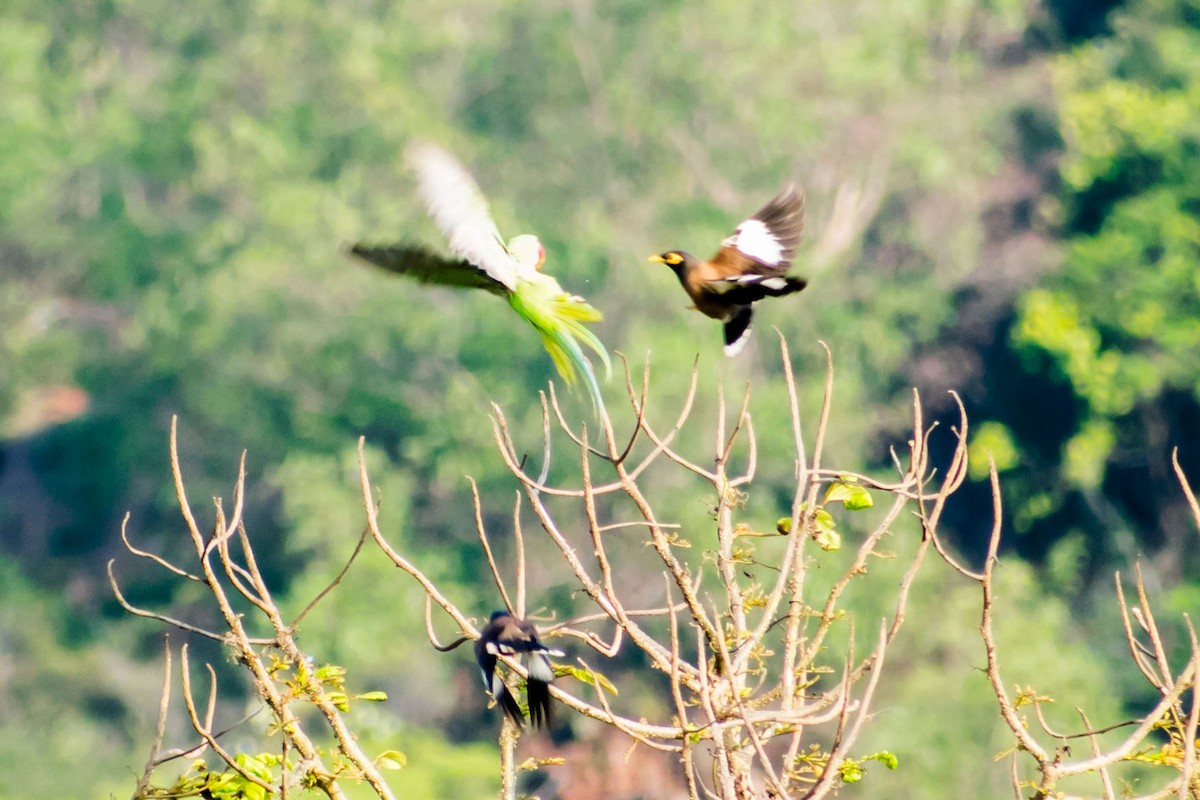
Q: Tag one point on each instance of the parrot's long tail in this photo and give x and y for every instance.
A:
(561, 323)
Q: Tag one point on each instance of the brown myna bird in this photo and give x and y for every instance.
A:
(751, 264)
(505, 635)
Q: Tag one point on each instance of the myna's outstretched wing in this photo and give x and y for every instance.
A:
(765, 244)
(751, 264)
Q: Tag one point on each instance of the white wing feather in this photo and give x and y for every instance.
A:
(459, 209)
(755, 239)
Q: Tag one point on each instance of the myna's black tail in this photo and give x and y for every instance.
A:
(737, 330)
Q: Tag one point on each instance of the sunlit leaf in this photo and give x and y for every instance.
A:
(330, 672)
(851, 495)
(850, 771)
(828, 539)
(391, 759)
(585, 676)
(884, 757)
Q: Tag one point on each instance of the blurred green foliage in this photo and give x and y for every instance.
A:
(1112, 338)
(175, 184)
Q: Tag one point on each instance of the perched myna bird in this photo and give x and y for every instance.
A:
(751, 264)
(485, 261)
(505, 635)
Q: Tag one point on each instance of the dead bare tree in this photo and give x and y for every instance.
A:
(754, 705)
(1175, 715)
(749, 693)
(282, 675)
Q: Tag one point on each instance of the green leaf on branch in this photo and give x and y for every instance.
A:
(852, 770)
(1027, 696)
(331, 673)
(824, 533)
(391, 759)
(586, 676)
(851, 495)
(889, 760)
(828, 539)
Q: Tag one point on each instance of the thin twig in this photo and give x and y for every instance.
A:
(160, 727)
(183, 626)
(1186, 486)
(1134, 739)
(562, 424)
(487, 547)
(362, 539)
(433, 639)
(1007, 710)
(1188, 768)
(152, 556)
(185, 507)
(224, 531)
(519, 539)
(1160, 652)
(1131, 638)
(617, 721)
(1094, 743)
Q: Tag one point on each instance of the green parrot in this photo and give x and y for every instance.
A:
(485, 261)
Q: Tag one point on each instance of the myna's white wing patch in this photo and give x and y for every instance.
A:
(754, 240)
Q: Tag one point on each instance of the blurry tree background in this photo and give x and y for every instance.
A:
(1003, 200)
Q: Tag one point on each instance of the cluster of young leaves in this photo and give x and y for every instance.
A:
(852, 496)
(1171, 753)
(332, 681)
(330, 677)
(853, 770)
(251, 776)
(228, 784)
(811, 765)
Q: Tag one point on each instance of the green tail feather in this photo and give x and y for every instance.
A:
(570, 360)
(572, 314)
(560, 319)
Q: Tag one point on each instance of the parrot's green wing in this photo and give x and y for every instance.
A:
(423, 264)
(460, 211)
(559, 318)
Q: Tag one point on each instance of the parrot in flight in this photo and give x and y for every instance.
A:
(483, 260)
